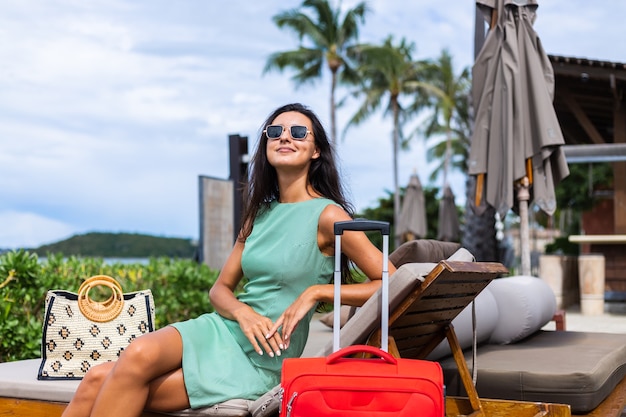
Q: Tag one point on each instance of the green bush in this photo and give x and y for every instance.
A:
(179, 287)
(562, 246)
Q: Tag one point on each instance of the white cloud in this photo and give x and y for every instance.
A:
(110, 109)
(26, 229)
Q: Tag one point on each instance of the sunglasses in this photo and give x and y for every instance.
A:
(274, 132)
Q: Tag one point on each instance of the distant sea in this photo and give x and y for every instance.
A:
(143, 261)
(110, 261)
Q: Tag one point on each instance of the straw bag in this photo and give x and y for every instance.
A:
(79, 332)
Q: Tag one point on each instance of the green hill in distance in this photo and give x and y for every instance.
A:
(121, 245)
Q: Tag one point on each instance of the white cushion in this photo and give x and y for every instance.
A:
(525, 305)
(19, 380)
(486, 321)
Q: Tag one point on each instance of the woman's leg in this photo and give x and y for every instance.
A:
(160, 397)
(168, 393)
(87, 391)
(147, 375)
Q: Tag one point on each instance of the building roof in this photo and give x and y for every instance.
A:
(586, 94)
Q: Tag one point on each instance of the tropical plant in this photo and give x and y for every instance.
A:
(580, 191)
(449, 120)
(384, 212)
(387, 73)
(331, 39)
(179, 287)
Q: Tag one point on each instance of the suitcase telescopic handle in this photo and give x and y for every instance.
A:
(361, 225)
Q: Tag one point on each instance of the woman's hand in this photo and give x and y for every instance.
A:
(258, 330)
(293, 314)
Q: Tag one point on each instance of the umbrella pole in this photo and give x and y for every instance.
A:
(523, 195)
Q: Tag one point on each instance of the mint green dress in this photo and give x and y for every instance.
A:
(281, 258)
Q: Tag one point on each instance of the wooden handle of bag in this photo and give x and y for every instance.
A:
(112, 280)
(101, 311)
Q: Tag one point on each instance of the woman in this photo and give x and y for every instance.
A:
(285, 251)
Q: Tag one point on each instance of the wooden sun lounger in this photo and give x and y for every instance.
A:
(446, 291)
(422, 319)
(16, 407)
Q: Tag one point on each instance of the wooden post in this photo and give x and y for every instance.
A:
(619, 168)
(466, 378)
(238, 150)
(216, 220)
(523, 195)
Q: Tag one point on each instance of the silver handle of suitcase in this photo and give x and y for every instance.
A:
(362, 225)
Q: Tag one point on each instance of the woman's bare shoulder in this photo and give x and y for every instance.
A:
(331, 214)
(334, 213)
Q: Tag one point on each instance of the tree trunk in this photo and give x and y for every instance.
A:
(396, 187)
(333, 108)
(479, 235)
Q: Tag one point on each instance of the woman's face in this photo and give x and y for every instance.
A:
(285, 152)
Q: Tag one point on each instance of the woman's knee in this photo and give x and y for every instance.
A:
(87, 392)
(136, 352)
(96, 375)
(150, 355)
(139, 357)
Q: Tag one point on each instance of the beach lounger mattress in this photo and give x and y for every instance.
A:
(575, 368)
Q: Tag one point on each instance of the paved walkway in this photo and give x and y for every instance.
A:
(319, 335)
(612, 321)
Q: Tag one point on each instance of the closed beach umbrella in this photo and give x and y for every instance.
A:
(516, 152)
(448, 217)
(412, 222)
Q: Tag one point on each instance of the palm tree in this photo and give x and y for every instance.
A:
(450, 117)
(387, 73)
(332, 40)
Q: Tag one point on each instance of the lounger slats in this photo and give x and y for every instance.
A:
(418, 327)
(424, 322)
(439, 304)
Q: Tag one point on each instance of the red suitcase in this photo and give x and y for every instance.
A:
(341, 385)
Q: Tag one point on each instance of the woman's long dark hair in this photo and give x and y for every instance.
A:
(262, 186)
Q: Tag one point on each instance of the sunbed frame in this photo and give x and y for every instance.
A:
(423, 319)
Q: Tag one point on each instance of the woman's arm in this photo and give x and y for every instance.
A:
(360, 250)
(222, 296)
(222, 293)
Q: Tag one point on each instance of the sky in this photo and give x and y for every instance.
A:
(110, 110)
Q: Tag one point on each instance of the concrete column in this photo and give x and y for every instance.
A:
(591, 279)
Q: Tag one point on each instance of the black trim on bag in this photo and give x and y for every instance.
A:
(44, 358)
(65, 294)
(40, 376)
(149, 311)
